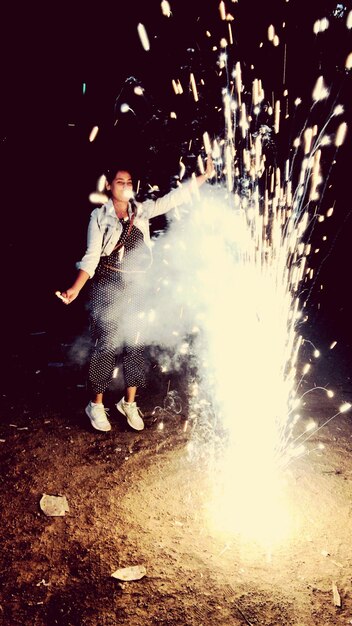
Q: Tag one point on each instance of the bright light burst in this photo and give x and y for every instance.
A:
(253, 239)
(247, 243)
(251, 503)
(251, 326)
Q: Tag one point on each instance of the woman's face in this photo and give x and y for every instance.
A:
(121, 187)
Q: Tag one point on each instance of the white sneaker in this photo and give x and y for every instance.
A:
(132, 412)
(97, 414)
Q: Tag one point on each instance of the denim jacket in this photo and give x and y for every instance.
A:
(104, 227)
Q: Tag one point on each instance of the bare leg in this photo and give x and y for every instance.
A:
(130, 394)
(98, 398)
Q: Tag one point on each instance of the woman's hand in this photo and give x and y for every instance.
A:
(71, 294)
(67, 296)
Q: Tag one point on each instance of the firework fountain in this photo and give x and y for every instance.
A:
(231, 286)
(247, 294)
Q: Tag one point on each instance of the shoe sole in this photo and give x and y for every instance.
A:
(119, 408)
(101, 430)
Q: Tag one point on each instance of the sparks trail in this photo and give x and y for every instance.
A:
(248, 246)
(276, 204)
(171, 406)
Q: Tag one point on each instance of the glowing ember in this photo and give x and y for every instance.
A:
(349, 20)
(165, 8)
(143, 36)
(93, 133)
(194, 87)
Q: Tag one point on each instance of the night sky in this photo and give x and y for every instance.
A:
(49, 167)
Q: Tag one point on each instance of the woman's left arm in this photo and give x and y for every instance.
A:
(180, 195)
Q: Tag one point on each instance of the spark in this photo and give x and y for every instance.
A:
(238, 78)
(348, 62)
(222, 10)
(341, 134)
(349, 20)
(194, 87)
(165, 8)
(320, 91)
(124, 108)
(230, 34)
(346, 406)
(338, 110)
(93, 133)
(177, 87)
(206, 143)
(143, 37)
(101, 183)
(277, 116)
(320, 25)
(285, 63)
(98, 197)
(255, 93)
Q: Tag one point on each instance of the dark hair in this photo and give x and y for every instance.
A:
(111, 171)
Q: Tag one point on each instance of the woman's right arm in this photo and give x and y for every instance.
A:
(87, 265)
(71, 294)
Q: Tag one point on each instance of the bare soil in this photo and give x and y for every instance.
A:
(141, 499)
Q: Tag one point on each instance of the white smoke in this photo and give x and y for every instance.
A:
(193, 271)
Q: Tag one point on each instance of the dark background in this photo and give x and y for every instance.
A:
(49, 167)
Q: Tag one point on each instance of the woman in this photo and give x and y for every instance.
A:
(118, 254)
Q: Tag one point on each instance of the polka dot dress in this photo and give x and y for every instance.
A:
(115, 308)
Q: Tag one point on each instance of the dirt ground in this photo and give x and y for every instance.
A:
(142, 499)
